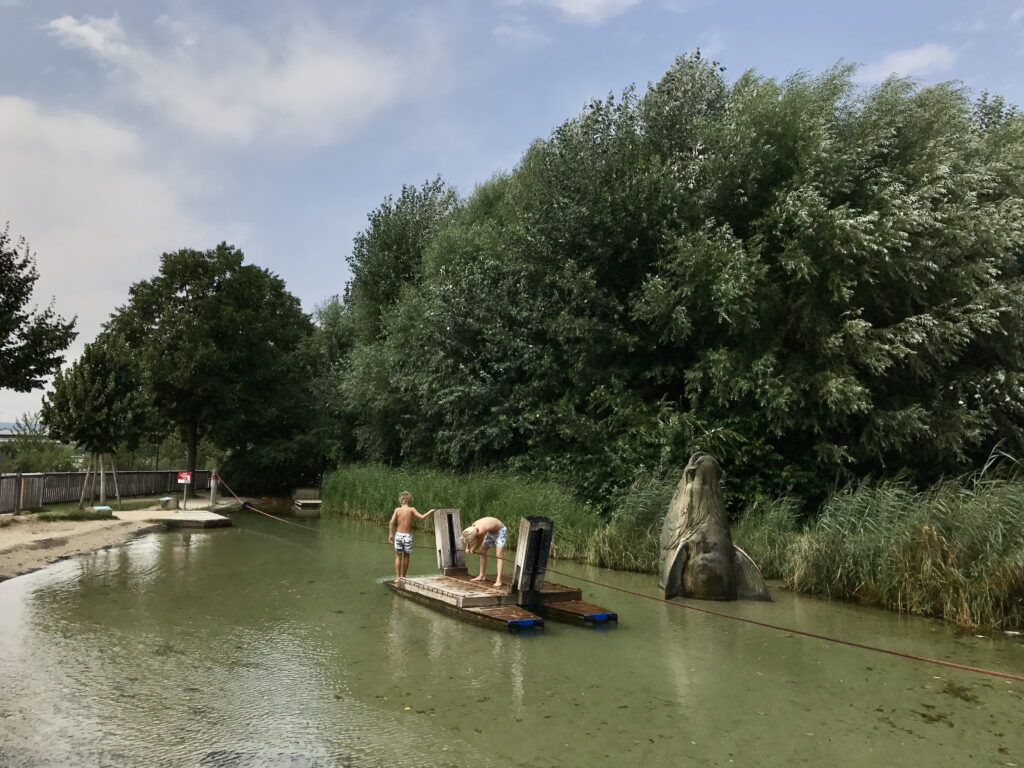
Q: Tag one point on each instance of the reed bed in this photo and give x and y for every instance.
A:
(953, 551)
(370, 491)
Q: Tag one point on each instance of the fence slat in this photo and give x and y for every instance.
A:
(31, 491)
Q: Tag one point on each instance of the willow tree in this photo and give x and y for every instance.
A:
(813, 280)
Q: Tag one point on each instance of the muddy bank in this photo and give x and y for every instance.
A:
(27, 544)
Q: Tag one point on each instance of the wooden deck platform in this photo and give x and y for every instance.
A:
(495, 614)
(524, 600)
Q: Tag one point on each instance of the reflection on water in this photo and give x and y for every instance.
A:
(265, 645)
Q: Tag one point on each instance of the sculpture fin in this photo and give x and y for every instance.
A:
(749, 581)
(672, 574)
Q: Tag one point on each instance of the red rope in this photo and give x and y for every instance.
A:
(766, 625)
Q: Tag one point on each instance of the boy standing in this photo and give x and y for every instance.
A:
(402, 537)
(494, 533)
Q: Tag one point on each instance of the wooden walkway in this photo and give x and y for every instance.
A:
(186, 518)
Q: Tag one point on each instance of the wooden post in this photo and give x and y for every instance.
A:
(531, 555)
(448, 538)
(19, 491)
(117, 490)
(213, 488)
(85, 482)
(103, 482)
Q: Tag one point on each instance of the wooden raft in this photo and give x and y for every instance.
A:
(524, 603)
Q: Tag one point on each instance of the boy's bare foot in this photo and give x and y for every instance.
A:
(481, 577)
(497, 584)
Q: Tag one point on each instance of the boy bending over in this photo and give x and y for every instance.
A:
(400, 532)
(493, 532)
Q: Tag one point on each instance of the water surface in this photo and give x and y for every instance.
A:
(265, 645)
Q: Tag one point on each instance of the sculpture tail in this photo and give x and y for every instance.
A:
(749, 581)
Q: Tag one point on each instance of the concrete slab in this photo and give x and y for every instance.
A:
(175, 519)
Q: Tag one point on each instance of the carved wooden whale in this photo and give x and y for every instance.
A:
(698, 558)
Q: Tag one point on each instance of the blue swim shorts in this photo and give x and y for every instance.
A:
(496, 539)
(403, 543)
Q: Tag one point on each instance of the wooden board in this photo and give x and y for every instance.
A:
(577, 612)
(460, 592)
(506, 617)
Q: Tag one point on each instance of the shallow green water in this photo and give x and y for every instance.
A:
(265, 645)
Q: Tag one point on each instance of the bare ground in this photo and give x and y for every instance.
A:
(27, 544)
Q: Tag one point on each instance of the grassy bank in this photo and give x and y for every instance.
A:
(954, 551)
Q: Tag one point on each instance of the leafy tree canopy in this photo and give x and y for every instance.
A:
(813, 280)
(31, 341)
(222, 349)
(99, 403)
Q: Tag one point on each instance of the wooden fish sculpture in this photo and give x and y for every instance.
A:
(698, 558)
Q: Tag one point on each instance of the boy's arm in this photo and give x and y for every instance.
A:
(423, 517)
(391, 527)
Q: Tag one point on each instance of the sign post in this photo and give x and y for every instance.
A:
(184, 478)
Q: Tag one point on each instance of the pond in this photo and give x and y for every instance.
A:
(266, 645)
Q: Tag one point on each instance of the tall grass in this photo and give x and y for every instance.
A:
(630, 539)
(766, 530)
(370, 491)
(954, 551)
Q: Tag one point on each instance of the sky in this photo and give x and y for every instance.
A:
(131, 129)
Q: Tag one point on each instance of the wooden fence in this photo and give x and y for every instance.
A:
(33, 490)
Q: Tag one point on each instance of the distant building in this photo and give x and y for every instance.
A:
(7, 434)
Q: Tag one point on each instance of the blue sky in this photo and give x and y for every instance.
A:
(128, 129)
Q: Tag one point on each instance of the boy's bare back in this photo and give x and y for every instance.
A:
(403, 518)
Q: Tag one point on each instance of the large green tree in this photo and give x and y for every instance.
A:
(99, 402)
(814, 280)
(222, 346)
(31, 341)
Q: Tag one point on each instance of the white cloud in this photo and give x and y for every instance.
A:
(1017, 15)
(78, 188)
(586, 11)
(303, 83)
(914, 62)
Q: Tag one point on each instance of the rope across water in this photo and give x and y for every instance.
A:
(766, 625)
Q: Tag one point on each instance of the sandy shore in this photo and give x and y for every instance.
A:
(27, 544)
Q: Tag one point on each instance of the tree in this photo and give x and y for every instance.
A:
(31, 341)
(99, 403)
(812, 280)
(221, 345)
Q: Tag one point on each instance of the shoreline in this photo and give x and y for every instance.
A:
(26, 545)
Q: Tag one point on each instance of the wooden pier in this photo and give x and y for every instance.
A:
(525, 602)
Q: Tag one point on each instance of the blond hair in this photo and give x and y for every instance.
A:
(469, 538)
(405, 498)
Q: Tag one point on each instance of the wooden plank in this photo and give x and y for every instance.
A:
(448, 539)
(508, 618)
(461, 593)
(576, 612)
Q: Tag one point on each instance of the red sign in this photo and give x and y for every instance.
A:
(184, 478)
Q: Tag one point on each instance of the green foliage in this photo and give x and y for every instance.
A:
(371, 491)
(222, 346)
(33, 450)
(812, 281)
(31, 342)
(99, 402)
(955, 550)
